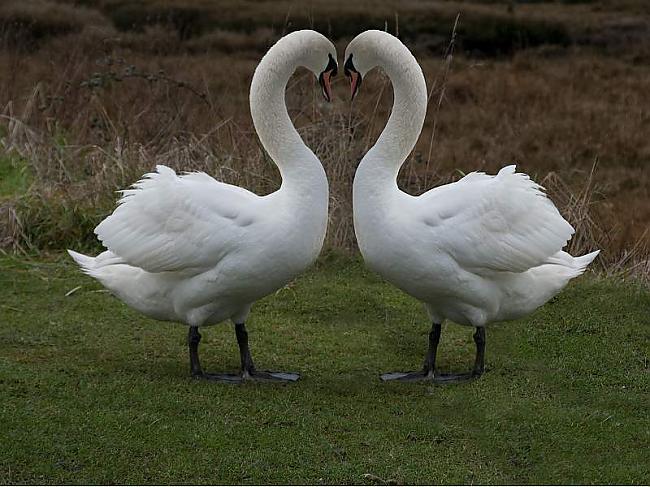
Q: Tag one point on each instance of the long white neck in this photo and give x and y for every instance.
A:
(377, 172)
(301, 171)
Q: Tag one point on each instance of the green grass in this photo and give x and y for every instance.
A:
(14, 176)
(94, 393)
(50, 219)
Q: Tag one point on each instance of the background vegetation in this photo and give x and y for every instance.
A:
(94, 93)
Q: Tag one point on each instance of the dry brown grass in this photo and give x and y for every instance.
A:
(28, 24)
(89, 111)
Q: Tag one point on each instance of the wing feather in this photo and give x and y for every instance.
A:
(499, 223)
(167, 222)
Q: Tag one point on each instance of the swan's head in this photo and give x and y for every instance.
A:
(364, 53)
(318, 55)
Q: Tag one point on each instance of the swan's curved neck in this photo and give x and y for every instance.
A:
(299, 167)
(381, 164)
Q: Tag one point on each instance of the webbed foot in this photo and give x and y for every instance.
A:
(249, 376)
(426, 376)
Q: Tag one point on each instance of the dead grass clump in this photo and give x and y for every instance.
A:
(233, 42)
(492, 29)
(486, 30)
(12, 236)
(187, 20)
(154, 40)
(497, 35)
(26, 24)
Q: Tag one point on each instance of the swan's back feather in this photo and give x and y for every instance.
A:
(167, 222)
(497, 223)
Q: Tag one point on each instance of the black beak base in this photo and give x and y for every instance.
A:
(355, 77)
(324, 79)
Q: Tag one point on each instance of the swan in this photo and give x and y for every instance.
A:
(483, 249)
(190, 249)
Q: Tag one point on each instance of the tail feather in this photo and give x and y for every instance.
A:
(580, 263)
(86, 262)
(570, 266)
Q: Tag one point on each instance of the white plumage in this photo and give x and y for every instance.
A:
(149, 228)
(190, 249)
(496, 231)
(482, 249)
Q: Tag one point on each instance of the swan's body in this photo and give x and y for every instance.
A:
(197, 251)
(191, 249)
(483, 249)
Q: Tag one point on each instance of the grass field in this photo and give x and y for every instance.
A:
(94, 393)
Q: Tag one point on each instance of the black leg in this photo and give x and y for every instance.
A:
(428, 372)
(193, 340)
(248, 371)
(429, 366)
(247, 365)
(479, 363)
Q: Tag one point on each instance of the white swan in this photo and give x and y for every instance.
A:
(483, 249)
(194, 250)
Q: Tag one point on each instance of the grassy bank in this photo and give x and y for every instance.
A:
(94, 393)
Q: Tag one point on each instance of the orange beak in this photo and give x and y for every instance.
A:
(355, 82)
(354, 75)
(325, 80)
